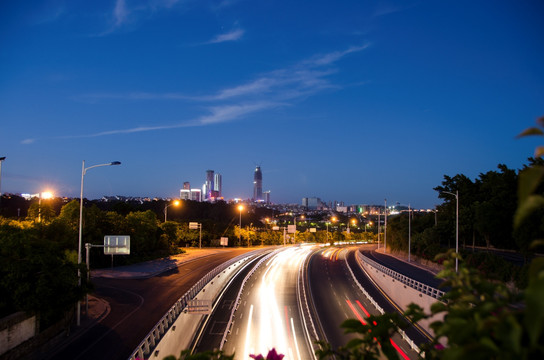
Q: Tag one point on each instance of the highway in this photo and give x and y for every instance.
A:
(337, 297)
(269, 315)
(136, 306)
(272, 311)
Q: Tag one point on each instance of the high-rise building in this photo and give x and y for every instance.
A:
(196, 195)
(258, 184)
(185, 194)
(187, 185)
(267, 197)
(208, 185)
(217, 185)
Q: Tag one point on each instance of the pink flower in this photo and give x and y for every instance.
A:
(272, 355)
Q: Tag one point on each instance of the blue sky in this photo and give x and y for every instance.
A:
(354, 101)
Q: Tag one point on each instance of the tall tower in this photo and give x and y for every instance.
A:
(208, 184)
(258, 184)
(217, 185)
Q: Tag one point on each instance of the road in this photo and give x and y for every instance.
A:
(269, 315)
(336, 297)
(136, 306)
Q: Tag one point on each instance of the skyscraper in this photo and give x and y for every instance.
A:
(208, 185)
(258, 184)
(217, 185)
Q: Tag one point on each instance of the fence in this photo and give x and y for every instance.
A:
(154, 336)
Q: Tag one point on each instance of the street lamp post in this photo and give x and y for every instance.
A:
(83, 172)
(385, 229)
(175, 203)
(456, 226)
(42, 195)
(409, 230)
(240, 208)
(1, 161)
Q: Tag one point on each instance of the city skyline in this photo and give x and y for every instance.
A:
(355, 102)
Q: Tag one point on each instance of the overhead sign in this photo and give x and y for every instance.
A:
(291, 229)
(224, 241)
(117, 245)
(193, 225)
(199, 306)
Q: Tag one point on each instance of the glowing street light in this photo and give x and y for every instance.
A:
(456, 226)
(240, 208)
(44, 195)
(175, 203)
(83, 172)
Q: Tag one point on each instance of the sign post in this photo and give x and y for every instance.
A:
(194, 226)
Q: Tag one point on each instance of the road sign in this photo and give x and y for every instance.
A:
(291, 229)
(199, 306)
(117, 245)
(224, 241)
(313, 230)
(275, 227)
(193, 225)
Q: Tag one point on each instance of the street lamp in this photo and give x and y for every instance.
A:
(385, 229)
(295, 233)
(1, 160)
(44, 195)
(83, 172)
(333, 219)
(240, 208)
(456, 226)
(175, 203)
(409, 230)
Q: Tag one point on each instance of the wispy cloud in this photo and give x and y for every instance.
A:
(217, 115)
(120, 13)
(274, 89)
(233, 35)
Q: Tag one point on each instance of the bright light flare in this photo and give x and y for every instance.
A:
(46, 195)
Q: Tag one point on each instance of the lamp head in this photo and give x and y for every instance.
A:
(2, 158)
(115, 163)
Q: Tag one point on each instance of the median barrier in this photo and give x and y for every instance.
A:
(175, 331)
(402, 290)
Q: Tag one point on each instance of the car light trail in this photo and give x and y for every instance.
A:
(266, 327)
(399, 350)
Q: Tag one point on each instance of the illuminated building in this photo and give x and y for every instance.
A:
(258, 184)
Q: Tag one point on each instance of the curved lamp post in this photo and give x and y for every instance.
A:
(456, 226)
(175, 203)
(83, 172)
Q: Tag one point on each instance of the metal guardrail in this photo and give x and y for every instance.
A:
(156, 333)
(423, 288)
(402, 333)
(239, 297)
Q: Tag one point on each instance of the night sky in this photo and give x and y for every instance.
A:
(353, 101)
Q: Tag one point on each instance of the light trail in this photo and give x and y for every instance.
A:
(399, 350)
(267, 327)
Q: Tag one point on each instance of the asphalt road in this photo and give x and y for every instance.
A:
(337, 298)
(269, 315)
(136, 306)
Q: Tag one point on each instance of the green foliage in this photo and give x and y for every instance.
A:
(373, 343)
(32, 275)
(208, 355)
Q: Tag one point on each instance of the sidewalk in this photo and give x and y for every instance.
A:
(152, 267)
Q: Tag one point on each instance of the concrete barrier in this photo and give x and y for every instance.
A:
(175, 331)
(402, 290)
(16, 329)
